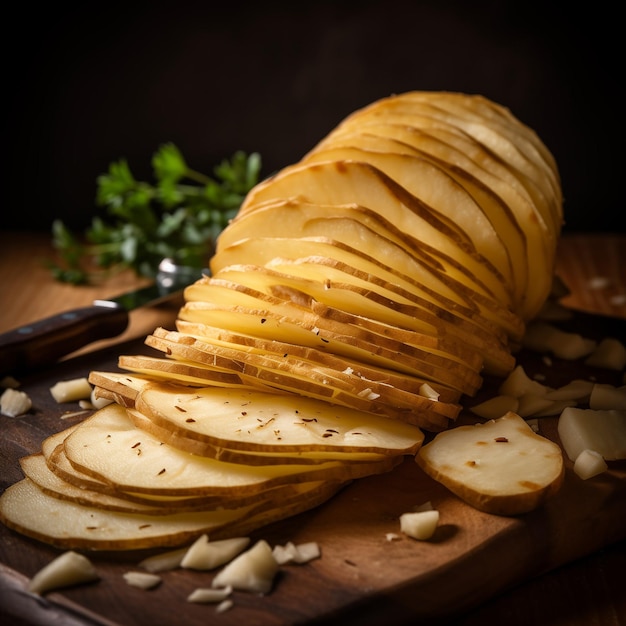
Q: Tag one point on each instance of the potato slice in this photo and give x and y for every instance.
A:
(315, 262)
(292, 316)
(269, 371)
(198, 336)
(365, 232)
(358, 242)
(498, 138)
(342, 286)
(500, 466)
(110, 448)
(188, 440)
(93, 489)
(63, 523)
(463, 153)
(476, 111)
(120, 387)
(434, 185)
(34, 467)
(349, 181)
(544, 206)
(256, 421)
(434, 415)
(483, 187)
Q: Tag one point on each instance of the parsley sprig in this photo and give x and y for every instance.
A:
(178, 216)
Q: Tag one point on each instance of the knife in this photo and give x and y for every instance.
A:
(44, 342)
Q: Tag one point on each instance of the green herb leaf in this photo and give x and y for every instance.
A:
(179, 216)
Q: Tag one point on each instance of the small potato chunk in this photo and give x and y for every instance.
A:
(517, 384)
(292, 553)
(142, 580)
(68, 569)
(606, 397)
(202, 595)
(588, 429)
(207, 555)
(71, 390)
(14, 403)
(164, 561)
(419, 524)
(495, 407)
(589, 464)
(545, 338)
(610, 353)
(253, 570)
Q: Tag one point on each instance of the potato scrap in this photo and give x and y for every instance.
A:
(14, 403)
(253, 570)
(300, 553)
(142, 580)
(68, 569)
(420, 525)
(71, 390)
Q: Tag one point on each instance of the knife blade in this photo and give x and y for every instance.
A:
(44, 342)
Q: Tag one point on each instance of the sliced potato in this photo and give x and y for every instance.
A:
(268, 423)
(109, 447)
(354, 299)
(349, 181)
(62, 523)
(199, 336)
(500, 466)
(302, 377)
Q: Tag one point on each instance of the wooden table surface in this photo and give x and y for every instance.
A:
(588, 591)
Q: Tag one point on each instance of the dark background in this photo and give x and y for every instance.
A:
(85, 85)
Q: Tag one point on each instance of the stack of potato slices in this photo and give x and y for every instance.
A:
(387, 271)
(353, 302)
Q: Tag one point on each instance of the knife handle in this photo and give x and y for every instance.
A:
(44, 342)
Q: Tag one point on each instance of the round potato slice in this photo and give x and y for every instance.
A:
(264, 422)
(501, 466)
(67, 524)
(109, 447)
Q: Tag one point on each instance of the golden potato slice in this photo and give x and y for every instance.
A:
(348, 181)
(293, 373)
(433, 184)
(109, 447)
(200, 335)
(501, 466)
(264, 422)
(67, 524)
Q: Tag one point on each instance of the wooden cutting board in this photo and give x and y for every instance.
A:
(361, 577)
